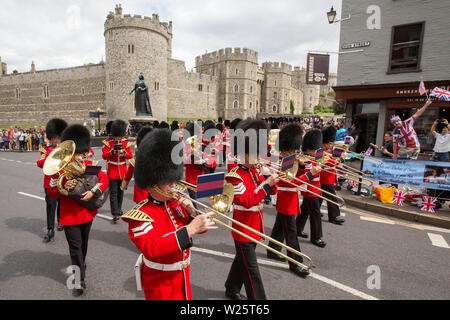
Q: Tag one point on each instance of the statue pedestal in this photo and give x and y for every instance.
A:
(136, 123)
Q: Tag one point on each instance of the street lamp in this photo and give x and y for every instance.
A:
(332, 16)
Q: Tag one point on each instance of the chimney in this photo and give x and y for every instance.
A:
(33, 67)
(118, 9)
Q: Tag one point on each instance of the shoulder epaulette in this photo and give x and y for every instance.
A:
(94, 162)
(132, 161)
(136, 214)
(233, 174)
(106, 143)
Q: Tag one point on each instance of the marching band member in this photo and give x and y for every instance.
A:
(328, 179)
(290, 140)
(310, 205)
(161, 227)
(76, 219)
(139, 194)
(53, 130)
(116, 151)
(250, 189)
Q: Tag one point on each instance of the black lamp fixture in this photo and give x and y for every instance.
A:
(331, 15)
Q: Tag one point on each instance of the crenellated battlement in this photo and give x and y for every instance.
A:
(277, 67)
(227, 54)
(117, 20)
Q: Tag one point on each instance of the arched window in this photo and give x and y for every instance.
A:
(236, 88)
(236, 71)
(274, 108)
(275, 95)
(235, 104)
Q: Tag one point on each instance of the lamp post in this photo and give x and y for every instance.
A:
(97, 115)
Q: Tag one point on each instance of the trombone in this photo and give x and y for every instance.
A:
(221, 205)
(290, 175)
(341, 171)
(360, 156)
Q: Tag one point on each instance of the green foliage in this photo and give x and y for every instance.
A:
(338, 108)
(332, 94)
(319, 109)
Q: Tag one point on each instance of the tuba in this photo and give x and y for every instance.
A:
(62, 159)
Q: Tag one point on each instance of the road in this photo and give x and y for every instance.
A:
(413, 260)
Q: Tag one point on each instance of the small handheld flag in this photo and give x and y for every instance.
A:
(422, 89)
(209, 185)
(369, 151)
(348, 140)
(428, 204)
(288, 162)
(92, 170)
(440, 94)
(399, 198)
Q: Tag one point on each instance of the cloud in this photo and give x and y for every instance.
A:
(59, 34)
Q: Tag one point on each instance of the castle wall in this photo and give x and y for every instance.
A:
(72, 94)
(190, 94)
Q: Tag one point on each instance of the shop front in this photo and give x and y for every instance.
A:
(371, 107)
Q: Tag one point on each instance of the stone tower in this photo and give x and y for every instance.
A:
(277, 89)
(136, 44)
(237, 71)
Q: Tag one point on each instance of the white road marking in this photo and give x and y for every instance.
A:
(31, 196)
(438, 240)
(376, 220)
(316, 276)
(104, 217)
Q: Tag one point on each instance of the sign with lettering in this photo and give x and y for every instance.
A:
(317, 68)
(354, 45)
(422, 174)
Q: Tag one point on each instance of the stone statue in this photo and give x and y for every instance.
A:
(142, 100)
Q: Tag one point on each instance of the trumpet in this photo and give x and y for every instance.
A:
(290, 175)
(221, 205)
(341, 171)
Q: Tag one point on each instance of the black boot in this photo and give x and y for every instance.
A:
(49, 236)
(274, 256)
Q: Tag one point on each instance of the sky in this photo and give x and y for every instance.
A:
(60, 34)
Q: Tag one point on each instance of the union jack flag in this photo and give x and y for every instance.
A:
(369, 151)
(354, 185)
(399, 198)
(440, 94)
(428, 204)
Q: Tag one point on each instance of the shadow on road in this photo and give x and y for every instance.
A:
(32, 225)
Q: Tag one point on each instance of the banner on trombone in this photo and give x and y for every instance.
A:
(422, 174)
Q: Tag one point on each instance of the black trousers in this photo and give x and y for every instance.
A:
(310, 208)
(209, 170)
(285, 228)
(52, 205)
(333, 210)
(115, 197)
(245, 271)
(77, 237)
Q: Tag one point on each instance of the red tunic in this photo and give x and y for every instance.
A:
(45, 152)
(330, 176)
(162, 238)
(139, 194)
(287, 196)
(315, 181)
(72, 213)
(250, 188)
(117, 165)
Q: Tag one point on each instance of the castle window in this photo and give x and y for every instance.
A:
(251, 105)
(236, 104)
(236, 88)
(274, 108)
(111, 86)
(200, 87)
(251, 89)
(45, 91)
(236, 71)
(83, 91)
(131, 49)
(275, 95)
(18, 93)
(156, 86)
(275, 83)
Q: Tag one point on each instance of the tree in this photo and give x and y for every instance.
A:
(338, 108)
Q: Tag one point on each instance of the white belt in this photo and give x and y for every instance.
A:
(253, 209)
(287, 189)
(180, 265)
(116, 163)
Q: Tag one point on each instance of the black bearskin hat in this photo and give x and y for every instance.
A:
(174, 125)
(154, 163)
(227, 123)
(312, 140)
(163, 125)
(290, 137)
(246, 126)
(155, 124)
(235, 123)
(142, 133)
(273, 125)
(108, 127)
(329, 134)
(219, 127)
(55, 128)
(78, 134)
(119, 128)
(193, 128)
(209, 124)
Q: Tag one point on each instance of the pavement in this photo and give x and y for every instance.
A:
(369, 257)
